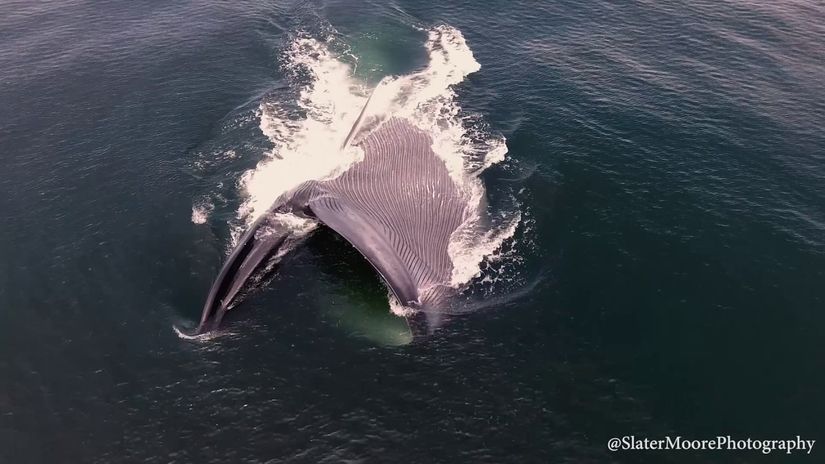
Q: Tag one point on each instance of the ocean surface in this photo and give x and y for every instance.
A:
(656, 267)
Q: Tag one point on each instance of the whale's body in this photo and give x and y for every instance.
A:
(398, 206)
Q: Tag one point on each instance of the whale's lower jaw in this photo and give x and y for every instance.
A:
(254, 249)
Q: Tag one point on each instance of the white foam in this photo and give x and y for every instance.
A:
(307, 143)
(397, 308)
(202, 337)
(307, 148)
(201, 211)
(468, 248)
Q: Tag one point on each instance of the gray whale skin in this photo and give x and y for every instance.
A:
(398, 206)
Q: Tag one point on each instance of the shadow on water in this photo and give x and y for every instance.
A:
(357, 301)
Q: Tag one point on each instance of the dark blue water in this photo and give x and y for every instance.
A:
(668, 159)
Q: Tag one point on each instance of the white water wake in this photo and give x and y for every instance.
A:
(307, 141)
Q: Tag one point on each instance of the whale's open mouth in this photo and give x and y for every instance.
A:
(395, 173)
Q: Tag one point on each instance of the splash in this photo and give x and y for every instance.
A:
(204, 337)
(307, 136)
(201, 211)
(309, 146)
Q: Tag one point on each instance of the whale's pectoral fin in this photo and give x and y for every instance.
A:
(372, 240)
(259, 243)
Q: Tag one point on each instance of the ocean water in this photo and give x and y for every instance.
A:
(656, 266)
